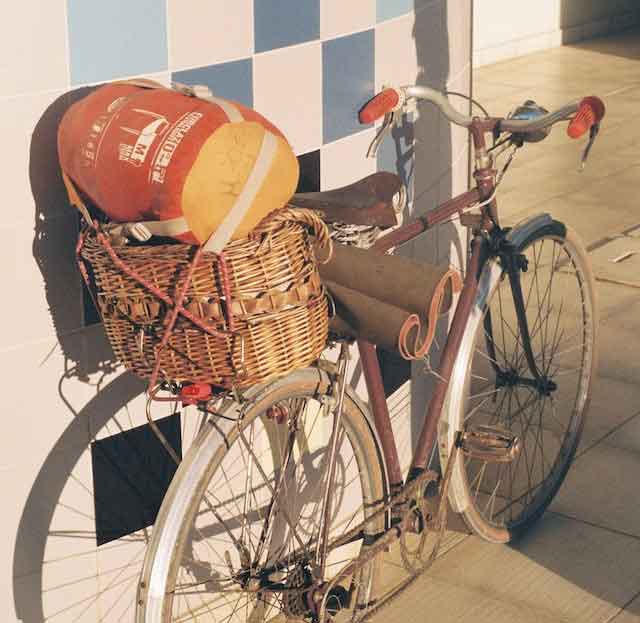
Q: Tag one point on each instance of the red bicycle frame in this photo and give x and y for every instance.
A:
(483, 192)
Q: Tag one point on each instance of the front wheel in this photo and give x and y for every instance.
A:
(492, 384)
(237, 533)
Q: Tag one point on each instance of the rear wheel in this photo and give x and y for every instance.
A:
(492, 384)
(215, 556)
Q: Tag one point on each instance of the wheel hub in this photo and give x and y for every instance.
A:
(510, 378)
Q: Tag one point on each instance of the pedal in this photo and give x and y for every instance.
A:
(489, 443)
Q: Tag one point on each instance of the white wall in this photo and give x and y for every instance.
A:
(63, 390)
(503, 29)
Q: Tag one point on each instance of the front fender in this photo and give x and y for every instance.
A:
(449, 424)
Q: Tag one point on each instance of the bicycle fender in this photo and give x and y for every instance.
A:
(523, 229)
(256, 392)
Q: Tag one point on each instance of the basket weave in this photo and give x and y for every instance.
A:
(278, 304)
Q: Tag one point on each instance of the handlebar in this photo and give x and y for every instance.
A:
(584, 114)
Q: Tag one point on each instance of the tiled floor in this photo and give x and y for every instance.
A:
(581, 563)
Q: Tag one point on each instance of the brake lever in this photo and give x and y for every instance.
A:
(389, 120)
(593, 133)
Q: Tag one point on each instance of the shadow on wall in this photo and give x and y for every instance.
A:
(432, 178)
(56, 227)
(422, 155)
(36, 533)
(55, 525)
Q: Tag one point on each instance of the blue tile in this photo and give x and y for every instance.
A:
(278, 23)
(347, 83)
(232, 80)
(386, 9)
(116, 39)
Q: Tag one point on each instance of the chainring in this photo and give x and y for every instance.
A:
(419, 546)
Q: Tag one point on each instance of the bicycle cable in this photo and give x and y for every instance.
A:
(468, 98)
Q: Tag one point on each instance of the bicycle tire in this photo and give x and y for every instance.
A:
(175, 527)
(505, 506)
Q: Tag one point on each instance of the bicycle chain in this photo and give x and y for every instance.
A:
(439, 527)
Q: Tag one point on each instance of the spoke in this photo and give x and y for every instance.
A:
(292, 526)
(492, 499)
(478, 479)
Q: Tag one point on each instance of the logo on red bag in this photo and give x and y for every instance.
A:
(146, 133)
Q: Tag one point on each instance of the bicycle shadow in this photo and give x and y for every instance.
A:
(35, 527)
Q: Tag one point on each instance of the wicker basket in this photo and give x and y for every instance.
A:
(276, 322)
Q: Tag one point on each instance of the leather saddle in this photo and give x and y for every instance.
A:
(366, 202)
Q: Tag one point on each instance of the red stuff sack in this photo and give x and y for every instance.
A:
(201, 170)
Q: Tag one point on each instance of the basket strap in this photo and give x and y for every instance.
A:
(144, 309)
(219, 238)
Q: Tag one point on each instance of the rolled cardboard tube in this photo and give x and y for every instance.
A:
(392, 279)
(361, 316)
(388, 300)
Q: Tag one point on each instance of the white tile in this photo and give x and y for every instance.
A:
(340, 18)
(459, 27)
(344, 161)
(499, 22)
(33, 47)
(396, 56)
(501, 52)
(203, 33)
(534, 44)
(556, 38)
(287, 90)
(479, 58)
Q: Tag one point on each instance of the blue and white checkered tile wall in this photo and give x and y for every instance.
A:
(308, 65)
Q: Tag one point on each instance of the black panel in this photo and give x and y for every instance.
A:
(395, 370)
(131, 474)
(91, 315)
(309, 181)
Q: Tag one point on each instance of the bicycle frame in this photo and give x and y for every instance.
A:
(482, 194)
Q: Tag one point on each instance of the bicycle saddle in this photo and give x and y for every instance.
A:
(369, 201)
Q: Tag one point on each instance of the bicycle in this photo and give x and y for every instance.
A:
(291, 490)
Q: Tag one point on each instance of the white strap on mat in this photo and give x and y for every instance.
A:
(232, 220)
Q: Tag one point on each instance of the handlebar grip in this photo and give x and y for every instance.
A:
(590, 111)
(384, 102)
